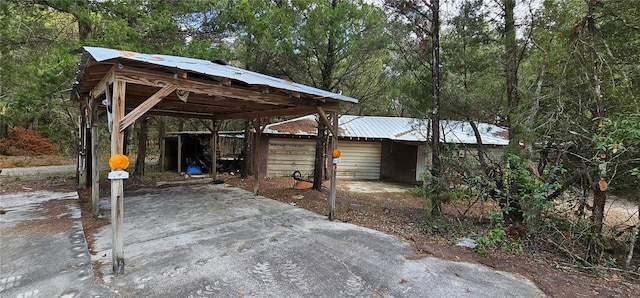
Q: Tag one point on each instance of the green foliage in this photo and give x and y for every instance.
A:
(495, 238)
(533, 189)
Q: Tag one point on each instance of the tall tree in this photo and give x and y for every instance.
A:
(36, 68)
(436, 167)
(510, 204)
(335, 45)
(424, 20)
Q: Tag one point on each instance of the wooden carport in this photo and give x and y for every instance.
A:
(127, 85)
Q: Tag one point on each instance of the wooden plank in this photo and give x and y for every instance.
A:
(163, 184)
(100, 88)
(180, 114)
(289, 155)
(269, 113)
(130, 118)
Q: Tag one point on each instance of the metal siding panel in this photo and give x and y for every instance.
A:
(359, 160)
(289, 155)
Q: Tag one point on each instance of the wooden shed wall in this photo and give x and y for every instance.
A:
(285, 156)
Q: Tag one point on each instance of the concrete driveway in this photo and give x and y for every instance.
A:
(42, 253)
(219, 241)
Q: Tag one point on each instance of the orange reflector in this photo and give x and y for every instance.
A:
(118, 162)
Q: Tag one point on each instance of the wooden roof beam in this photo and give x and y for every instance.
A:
(268, 113)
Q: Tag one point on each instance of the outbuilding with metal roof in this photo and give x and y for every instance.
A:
(373, 148)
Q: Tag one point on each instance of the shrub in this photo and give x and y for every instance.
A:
(21, 141)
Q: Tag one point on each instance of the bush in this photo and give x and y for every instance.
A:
(26, 142)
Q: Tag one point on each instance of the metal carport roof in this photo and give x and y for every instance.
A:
(203, 89)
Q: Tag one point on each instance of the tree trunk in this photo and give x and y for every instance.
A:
(162, 131)
(436, 170)
(599, 187)
(511, 69)
(318, 171)
(511, 208)
(143, 136)
(246, 149)
(125, 141)
(4, 129)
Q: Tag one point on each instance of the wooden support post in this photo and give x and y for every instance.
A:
(82, 150)
(95, 173)
(94, 176)
(117, 195)
(88, 154)
(79, 157)
(214, 150)
(334, 168)
(117, 216)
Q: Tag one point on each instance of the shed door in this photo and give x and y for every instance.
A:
(359, 160)
(289, 155)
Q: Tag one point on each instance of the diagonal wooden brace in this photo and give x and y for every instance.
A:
(145, 106)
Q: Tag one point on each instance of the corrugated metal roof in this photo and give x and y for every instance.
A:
(209, 68)
(397, 128)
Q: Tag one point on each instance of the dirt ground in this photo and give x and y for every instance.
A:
(395, 213)
(401, 214)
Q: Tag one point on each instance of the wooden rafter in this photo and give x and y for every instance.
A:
(106, 80)
(269, 113)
